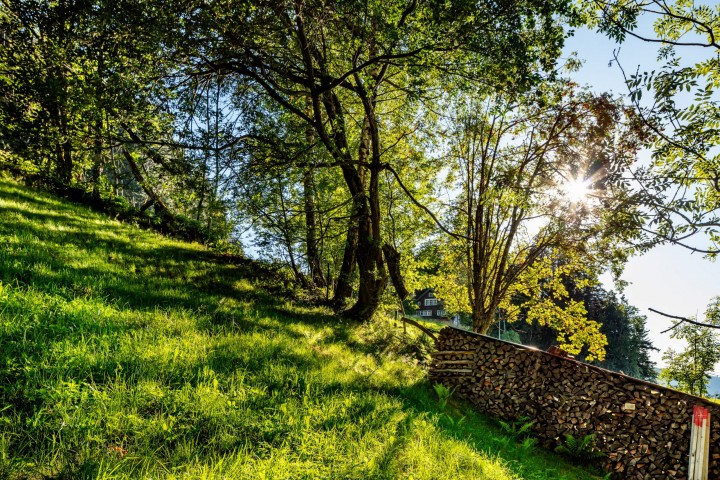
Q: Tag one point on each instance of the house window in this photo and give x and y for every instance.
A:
(426, 313)
(430, 301)
(441, 313)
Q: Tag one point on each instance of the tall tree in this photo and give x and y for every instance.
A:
(690, 369)
(39, 81)
(533, 175)
(84, 87)
(628, 349)
(348, 58)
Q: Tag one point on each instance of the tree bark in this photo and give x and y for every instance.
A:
(67, 161)
(311, 244)
(373, 277)
(59, 118)
(98, 138)
(97, 158)
(329, 123)
(371, 264)
(343, 289)
(482, 318)
(299, 277)
(392, 257)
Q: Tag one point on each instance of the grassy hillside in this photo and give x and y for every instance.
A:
(127, 355)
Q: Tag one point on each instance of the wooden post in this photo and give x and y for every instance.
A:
(706, 455)
(699, 444)
(693, 446)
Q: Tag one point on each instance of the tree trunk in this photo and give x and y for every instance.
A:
(63, 148)
(373, 277)
(287, 239)
(392, 257)
(66, 167)
(343, 289)
(201, 201)
(299, 277)
(311, 243)
(371, 265)
(97, 158)
(482, 318)
(112, 162)
(98, 140)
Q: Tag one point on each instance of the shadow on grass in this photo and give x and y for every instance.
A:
(143, 275)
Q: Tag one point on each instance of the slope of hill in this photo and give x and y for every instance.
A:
(128, 355)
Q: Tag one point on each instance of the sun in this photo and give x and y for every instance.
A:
(576, 190)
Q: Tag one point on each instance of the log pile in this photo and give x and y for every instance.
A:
(642, 428)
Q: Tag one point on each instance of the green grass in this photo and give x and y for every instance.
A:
(124, 354)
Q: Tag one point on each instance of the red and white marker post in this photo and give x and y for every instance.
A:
(699, 444)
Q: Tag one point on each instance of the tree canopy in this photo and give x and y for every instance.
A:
(362, 76)
(680, 189)
(689, 370)
(362, 143)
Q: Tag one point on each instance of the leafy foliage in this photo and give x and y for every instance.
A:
(86, 107)
(515, 232)
(443, 393)
(690, 369)
(519, 429)
(580, 449)
(629, 348)
(363, 87)
(329, 135)
(680, 189)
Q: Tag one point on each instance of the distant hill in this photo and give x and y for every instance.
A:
(713, 387)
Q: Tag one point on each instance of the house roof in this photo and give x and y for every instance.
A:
(421, 293)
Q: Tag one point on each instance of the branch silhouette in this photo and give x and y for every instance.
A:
(682, 320)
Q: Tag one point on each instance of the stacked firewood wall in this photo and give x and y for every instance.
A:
(642, 428)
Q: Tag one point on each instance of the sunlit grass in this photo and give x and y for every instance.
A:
(128, 355)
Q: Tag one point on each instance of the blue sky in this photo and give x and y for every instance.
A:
(668, 278)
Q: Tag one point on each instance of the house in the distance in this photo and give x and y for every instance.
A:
(429, 306)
